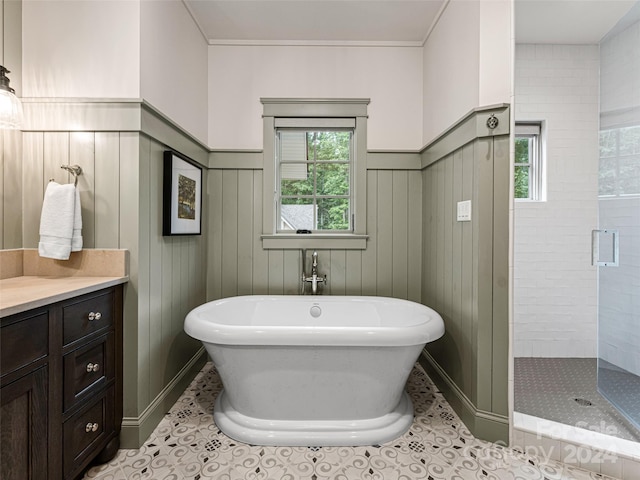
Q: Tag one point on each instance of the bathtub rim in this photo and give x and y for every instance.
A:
(209, 331)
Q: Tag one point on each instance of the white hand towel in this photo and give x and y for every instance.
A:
(76, 237)
(56, 221)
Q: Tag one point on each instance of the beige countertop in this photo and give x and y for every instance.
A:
(28, 281)
(19, 294)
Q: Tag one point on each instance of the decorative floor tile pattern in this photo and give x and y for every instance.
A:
(565, 390)
(187, 445)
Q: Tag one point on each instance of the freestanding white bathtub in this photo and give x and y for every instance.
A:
(313, 371)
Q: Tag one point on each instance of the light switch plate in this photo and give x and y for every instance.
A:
(464, 211)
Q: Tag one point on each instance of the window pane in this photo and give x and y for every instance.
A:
(523, 146)
(315, 179)
(296, 179)
(333, 214)
(608, 143)
(607, 176)
(297, 214)
(521, 182)
(630, 175)
(329, 146)
(332, 179)
(528, 163)
(630, 141)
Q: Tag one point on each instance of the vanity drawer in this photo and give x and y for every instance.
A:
(88, 369)
(23, 341)
(87, 430)
(90, 314)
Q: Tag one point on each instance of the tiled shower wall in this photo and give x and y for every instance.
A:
(554, 282)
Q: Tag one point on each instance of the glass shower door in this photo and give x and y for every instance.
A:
(617, 254)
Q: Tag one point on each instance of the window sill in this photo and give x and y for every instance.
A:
(528, 200)
(283, 241)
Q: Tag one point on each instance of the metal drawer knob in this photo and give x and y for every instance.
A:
(95, 316)
(91, 427)
(93, 367)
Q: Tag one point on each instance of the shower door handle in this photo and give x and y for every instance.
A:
(595, 248)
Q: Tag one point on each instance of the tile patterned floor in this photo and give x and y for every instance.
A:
(187, 445)
(564, 390)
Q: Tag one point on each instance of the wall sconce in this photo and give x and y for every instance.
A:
(10, 106)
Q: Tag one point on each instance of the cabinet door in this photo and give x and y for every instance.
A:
(87, 432)
(23, 427)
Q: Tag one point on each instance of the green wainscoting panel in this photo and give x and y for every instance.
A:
(465, 269)
(121, 196)
(482, 424)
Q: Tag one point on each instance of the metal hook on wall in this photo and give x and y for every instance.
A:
(75, 170)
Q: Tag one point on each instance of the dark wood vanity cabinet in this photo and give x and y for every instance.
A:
(61, 386)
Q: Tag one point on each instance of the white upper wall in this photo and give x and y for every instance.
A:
(451, 68)
(173, 66)
(153, 50)
(76, 48)
(118, 49)
(496, 53)
(390, 76)
(467, 62)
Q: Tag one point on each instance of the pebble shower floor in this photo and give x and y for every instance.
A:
(187, 445)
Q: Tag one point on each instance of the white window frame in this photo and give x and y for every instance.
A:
(314, 114)
(534, 132)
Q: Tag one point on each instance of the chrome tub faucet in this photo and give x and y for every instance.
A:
(315, 279)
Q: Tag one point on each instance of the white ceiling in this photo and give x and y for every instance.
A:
(337, 21)
(404, 22)
(567, 21)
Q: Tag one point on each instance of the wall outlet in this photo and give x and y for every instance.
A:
(464, 211)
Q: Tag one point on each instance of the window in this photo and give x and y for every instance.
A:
(314, 173)
(528, 167)
(314, 181)
(619, 170)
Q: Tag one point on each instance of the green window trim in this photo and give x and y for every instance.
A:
(315, 114)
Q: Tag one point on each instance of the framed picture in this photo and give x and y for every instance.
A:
(182, 196)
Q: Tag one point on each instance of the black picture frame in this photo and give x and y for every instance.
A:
(181, 195)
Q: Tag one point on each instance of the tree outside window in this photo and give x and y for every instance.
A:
(314, 179)
(528, 165)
